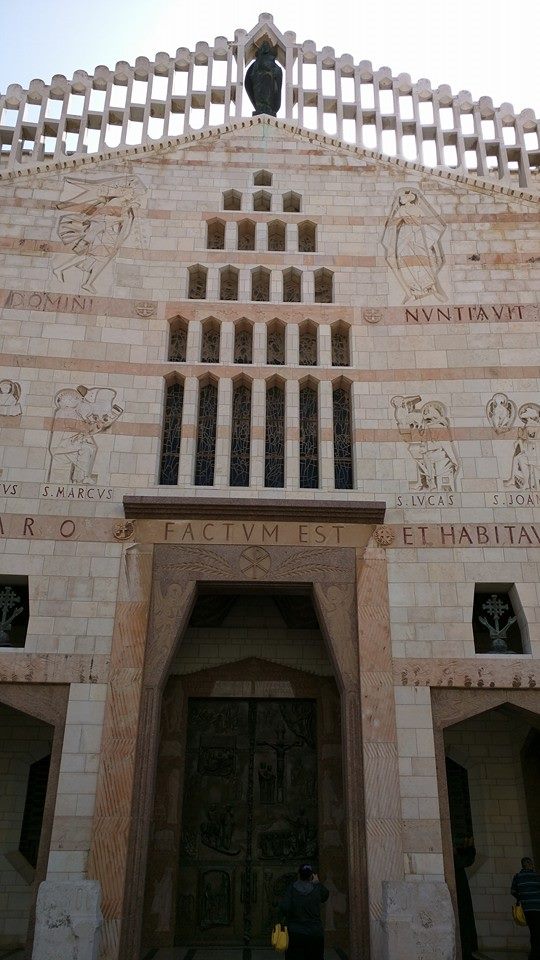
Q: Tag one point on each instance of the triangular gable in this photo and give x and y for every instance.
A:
(212, 134)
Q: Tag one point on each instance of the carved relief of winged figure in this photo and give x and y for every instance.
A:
(98, 220)
(412, 243)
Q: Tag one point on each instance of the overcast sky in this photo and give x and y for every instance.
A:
(489, 47)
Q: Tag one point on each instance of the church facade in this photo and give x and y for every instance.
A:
(270, 518)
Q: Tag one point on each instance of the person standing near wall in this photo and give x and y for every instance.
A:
(526, 889)
(302, 908)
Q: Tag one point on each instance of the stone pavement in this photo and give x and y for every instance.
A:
(205, 953)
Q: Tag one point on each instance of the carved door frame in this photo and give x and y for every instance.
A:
(330, 574)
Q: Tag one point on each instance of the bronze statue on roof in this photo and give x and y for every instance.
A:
(263, 81)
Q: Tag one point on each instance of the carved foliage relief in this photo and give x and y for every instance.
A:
(425, 428)
(412, 244)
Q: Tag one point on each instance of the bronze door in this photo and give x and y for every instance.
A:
(249, 815)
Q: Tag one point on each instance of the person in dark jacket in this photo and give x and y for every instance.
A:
(526, 889)
(302, 909)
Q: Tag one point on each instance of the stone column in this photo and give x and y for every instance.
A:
(259, 344)
(231, 235)
(194, 342)
(188, 440)
(292, 340)
(379, 733)
(109, 854)
(326, 436)
(261, 236)
(325, 345)
(292, 434)
(276, 286)
(212, 283)
(258, 424)
(223, 433)
(291, 238)
(308, 287)
(226, 344)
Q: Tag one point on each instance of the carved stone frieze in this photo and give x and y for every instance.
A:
(80, 415)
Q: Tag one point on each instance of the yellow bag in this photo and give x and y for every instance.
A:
(280, 938)
(518, 915)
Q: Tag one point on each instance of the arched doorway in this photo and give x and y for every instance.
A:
(249, 776)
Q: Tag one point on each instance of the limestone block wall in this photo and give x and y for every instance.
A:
(253, 628)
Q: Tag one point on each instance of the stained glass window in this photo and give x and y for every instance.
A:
(243, 346)
(276, 235)
(262, 178)
(262, 201)
(197, 283)
(210, 345)
(274, 459)
(178, 343)
(309, 438)
(323, 286)
(215, 235)
(340, 348)
(343, 471)
(292, 286)
(246, 235)
(228, 284)
(232, 200)
(240, 436)
(291, 202)
(306, 237)
(275, 345)
(260, 284)
(170, 449)
(307, 348)
(206, 436)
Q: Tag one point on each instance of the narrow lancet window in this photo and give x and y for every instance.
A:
(292, 285)
(275, 344)
(260, 284)
(340, 347)
(240, 436)
(197, 283)
(243, 344)
(309, 437)
(307, 237)
(228, 284)
(215, 235)
(246, 235)
(210, 343)
(276, 235)
(172, 428)
(324, 286)
(307, 346)
(343, 468)
(274, 454)
(178, 341)
(206, 436)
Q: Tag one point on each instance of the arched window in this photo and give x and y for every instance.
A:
(232, 200)
(291, 202)
(228, 283)
(307, 345)
(243, 343)
(275, 343)
(262, 178)
(240, 436)
(178, 340)
(246, 235)
(206, 435)
(210, 342)
(274, 448)
(309, 437)
(340, 346)
(307, 237)
(343, 468)
(197, 282)
(324, 286)
(260, 284)
(262, 201)
(276, 235)
(172, 427)
(215, 235)
(292, 285)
